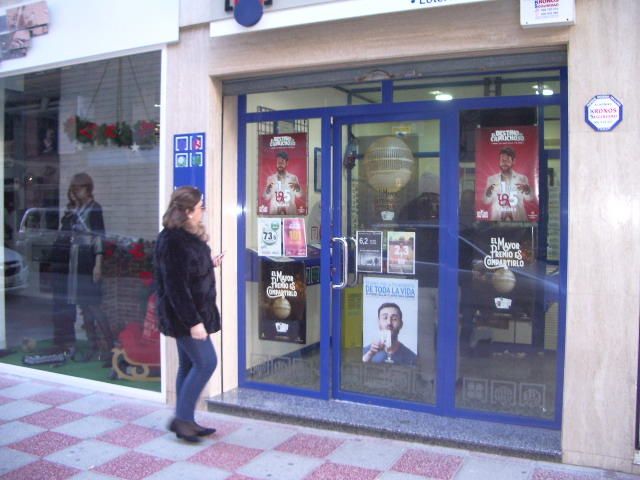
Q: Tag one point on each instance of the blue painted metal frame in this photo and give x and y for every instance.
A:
(332, 119)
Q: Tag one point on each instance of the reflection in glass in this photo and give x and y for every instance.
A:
(80, 149)
(508, 286)
(282, 283)
(392, 186)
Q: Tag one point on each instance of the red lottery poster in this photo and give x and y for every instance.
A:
(282, 174)
(507, 174)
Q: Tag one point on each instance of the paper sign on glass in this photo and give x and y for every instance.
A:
(282, 174)
(369, 252)
(386, 340)
(269, 236)
(401, 248)
(507, 174)
(294, 237)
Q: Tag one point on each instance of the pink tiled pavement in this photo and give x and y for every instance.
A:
(222, 427)
(428, 464)
(55, 397)
(127, 412)
(6, 382)
(41, 470)
(130, 436)
(45, 443)
(133, 466)
(225, 456)
(52, 418)
(546, 474)
(119, 433)
(310, 445)
(342, 472)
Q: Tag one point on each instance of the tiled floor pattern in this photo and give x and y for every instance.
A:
(51, 432)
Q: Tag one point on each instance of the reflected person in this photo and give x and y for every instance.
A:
(387, 348)
(84, 285)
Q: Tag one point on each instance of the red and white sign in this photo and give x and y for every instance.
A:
(507, 174)
(603, 113)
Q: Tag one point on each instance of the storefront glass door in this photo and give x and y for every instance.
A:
(386, 275)
(398, 259)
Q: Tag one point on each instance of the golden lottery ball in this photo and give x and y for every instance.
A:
(504, 280)
(281, 308)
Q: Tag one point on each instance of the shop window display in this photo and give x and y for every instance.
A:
(80, 152)
(508, 282)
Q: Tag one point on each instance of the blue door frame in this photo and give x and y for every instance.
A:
(448, 113)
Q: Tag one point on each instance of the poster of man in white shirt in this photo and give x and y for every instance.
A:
(508, 195)
(282, 172)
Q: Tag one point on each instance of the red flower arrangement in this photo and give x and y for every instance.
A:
(144, 133)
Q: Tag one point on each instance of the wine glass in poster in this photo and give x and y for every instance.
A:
(282, 174)
(507, 176)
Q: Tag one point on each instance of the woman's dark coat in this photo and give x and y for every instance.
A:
(186, 283)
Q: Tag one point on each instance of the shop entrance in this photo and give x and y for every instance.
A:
(394, 257)
(386, 226)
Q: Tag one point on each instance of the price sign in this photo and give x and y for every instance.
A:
(369, 252)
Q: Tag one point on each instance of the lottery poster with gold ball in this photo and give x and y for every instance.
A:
(282, 310)
(503, 273)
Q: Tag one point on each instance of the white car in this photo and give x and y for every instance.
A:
(16, 271)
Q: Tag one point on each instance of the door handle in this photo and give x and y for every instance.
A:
(355, 272)
(345, 266)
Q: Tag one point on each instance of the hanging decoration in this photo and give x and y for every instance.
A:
(143, 134)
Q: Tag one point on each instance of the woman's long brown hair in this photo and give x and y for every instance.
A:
(183, 201)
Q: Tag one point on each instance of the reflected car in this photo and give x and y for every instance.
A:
(16, 270)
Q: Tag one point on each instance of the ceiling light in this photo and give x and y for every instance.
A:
(547, 91)
(444, 97)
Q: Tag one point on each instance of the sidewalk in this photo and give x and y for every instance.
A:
(50, 431)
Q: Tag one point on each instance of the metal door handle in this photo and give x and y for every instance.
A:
(345, 259)
(355, 272)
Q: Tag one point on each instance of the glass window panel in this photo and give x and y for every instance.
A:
(332, 96)
(508, 297)
(282, 237)
(80, 149)
(473, 86)
(381, 357)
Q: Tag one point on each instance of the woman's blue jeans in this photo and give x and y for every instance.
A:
(197, 361)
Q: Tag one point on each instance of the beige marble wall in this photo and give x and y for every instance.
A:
(604, 239)
(604, 231)
(463, 30)
(194, 104)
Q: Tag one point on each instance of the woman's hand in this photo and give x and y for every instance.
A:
(198, 332)
(217, 259)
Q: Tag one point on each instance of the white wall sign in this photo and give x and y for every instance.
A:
(603, 113)
(547, 13)
(305, 13)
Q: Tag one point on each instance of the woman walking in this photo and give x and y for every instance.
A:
(187, 307)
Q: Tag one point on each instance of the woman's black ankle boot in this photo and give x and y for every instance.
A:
(184, 430)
